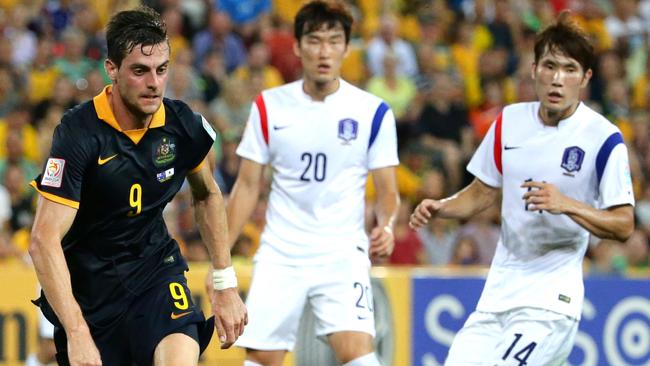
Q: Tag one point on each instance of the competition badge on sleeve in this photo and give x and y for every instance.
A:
(572, 159)
(348, 129)
(53, 175)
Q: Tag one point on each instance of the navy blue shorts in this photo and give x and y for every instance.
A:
(162, 310)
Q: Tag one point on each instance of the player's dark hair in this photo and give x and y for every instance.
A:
(565, 38)
(127, 29)
(313, 15)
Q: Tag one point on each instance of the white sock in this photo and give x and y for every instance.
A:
(33, 361)
(367, 360)
(251, 363)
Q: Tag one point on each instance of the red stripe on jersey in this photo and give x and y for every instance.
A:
(497, 144)
(261, 107)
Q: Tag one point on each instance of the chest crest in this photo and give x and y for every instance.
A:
(572, 159)
(164, 152)
(348, 130)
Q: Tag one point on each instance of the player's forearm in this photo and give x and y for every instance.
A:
(241, 204)
(54, 276)
(616, 223)
(474, 198)
(211, 220)
(386, 209)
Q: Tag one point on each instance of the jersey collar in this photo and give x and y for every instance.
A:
(105, 113)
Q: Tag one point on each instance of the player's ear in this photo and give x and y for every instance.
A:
(532, 71)
(586, 78)
(296, 47)
(111, 70)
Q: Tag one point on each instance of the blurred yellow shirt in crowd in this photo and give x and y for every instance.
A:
(30, 142)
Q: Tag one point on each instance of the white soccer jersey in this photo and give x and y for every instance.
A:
(538, 261)
(320, 154)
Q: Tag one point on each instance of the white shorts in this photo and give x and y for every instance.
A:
(339, 294)
(523, 336)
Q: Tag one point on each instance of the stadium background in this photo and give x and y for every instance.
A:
(446, 67)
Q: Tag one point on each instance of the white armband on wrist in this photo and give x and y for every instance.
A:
(224, 278)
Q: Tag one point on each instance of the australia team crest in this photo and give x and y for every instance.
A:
(165, 152)
(572, 159)
(348, 130)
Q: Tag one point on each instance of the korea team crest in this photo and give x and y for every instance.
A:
(572, 159)
(165, 153)
(348, 129)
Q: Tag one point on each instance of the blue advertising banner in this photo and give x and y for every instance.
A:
(614, 330)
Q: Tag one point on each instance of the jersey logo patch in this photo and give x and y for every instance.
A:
(166, 175)
(572, 159)
(53, 175)
(165, 153)
(101, 161)
(348, 129)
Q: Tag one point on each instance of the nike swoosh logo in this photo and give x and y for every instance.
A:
(511, 147)
(101, 161)
(177, 316)
(280, 127)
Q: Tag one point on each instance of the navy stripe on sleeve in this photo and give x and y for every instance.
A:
(376, 122)
(604, 152)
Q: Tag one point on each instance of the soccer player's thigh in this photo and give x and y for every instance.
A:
(162, 310)
(535, 337)
(475, 341)
(342, 299)
(275, 301)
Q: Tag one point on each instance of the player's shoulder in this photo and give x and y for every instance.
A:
(356, 95)
(178, 110)
(520, 109)
(78, 116)
(284, 93)
(597, 123)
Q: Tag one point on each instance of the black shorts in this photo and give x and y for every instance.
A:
(162, 310)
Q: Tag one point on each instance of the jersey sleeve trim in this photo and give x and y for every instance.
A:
(376, 122)
(605, 151)
(264, 122)
(197, 168)
(497, 144)
(55, 198)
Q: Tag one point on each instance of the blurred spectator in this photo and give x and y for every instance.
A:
(226, 172)
(242, 250)
(183, 84)
(609, 67)
(230, 110)
(213, 75)
(625, 26)
(91, 85)
(9, 98)
(466, 252)
(87, 21)
(18, 33)
(484, 229)
(607, 257)
(219, 37)
(397, 91)
(7, 250)
(481, 117)
(73, 63)
(250, 16)
(439, 239)
(46, 127)
(408, 247)
(42, 74)
(388, 40)
(466, 56)
(22, 199)
(16, 158)
(444, 127)
(173, 18)
(17, 122)
(64, 96)
(637, 251)
(258, 65)
(280, 40)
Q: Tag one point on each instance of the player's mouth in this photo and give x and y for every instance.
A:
(554, 97)
(150, 98)
(323, 68)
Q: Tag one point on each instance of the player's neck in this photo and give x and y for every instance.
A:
(124, 117)
(552, 118)
(319, 91)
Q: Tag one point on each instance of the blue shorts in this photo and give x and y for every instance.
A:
(131, 340)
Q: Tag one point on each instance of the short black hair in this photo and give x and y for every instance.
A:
(566, 38)
(127, 29)
(313, 15)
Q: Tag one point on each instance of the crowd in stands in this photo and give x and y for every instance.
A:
(445, 67)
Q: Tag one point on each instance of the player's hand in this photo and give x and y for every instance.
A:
(423, 213)
(81, 349)
(544, 196)
(230, 315)
(382, 242)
